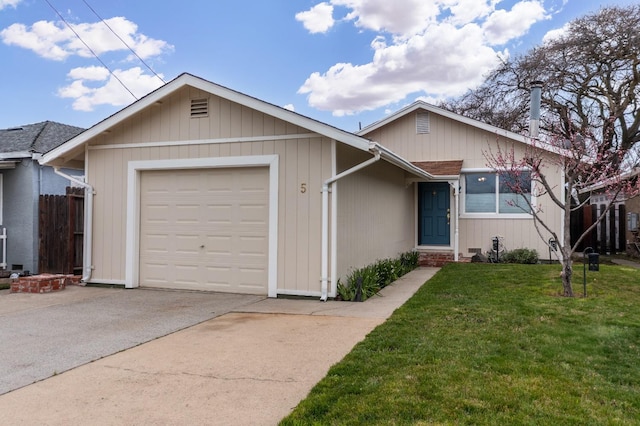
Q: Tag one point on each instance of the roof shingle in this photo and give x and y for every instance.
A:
(36, 138)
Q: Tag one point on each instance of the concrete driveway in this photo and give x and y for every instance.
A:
(46, 334)
(236, 359)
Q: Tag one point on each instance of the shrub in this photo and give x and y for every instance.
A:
(386, 271)
(521, 255)
(369, 280)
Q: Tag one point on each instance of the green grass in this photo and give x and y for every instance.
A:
(494, 344)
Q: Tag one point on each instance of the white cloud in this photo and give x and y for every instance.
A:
(8, 3)
(289, 107)
(502, 26)
(555, 34)
(89, 73)
(54, 40)
(400, 17)
(436, 49)
(318, 19)
(94, 86)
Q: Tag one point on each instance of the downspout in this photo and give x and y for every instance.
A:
(326, 188)
(456, 244)
(88, 223)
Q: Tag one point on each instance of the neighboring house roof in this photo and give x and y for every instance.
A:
(38, 138)
(186, 79)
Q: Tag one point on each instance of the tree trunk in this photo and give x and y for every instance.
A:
(567, 273)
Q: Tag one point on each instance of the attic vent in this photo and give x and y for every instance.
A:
(199, 108)
(422, 122)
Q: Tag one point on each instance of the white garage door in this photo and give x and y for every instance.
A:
(205, 229)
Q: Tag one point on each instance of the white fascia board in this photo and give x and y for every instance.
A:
(280, 113)
(215, 89)
(398, 161)
(440, 111)
(465, 120)
(15, 154)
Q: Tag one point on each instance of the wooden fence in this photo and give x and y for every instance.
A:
(61, 226)
(610, 234)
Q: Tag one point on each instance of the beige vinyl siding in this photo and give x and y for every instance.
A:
(447, 140)
(451, 140)
(302, 160)
(375, 217)
(516, 233)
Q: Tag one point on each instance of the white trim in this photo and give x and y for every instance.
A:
(334, 223)
(420, 105)
(489, 215)
(436, 248)
(1, 198)
(452, 224)
(518, 216)
(205, 141)
(132, 250)
(287, 292)
(184, 80)
(106, 281)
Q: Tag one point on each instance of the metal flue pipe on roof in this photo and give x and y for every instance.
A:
(536, 95)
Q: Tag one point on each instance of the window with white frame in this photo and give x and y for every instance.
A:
(492, 193)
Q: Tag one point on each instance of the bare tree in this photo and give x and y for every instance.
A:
(584, 167)
(591, 75)
(589, 116)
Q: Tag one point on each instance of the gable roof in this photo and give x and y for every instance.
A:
(421, 105)
(440, 111)
(187, 79)
(37, 138)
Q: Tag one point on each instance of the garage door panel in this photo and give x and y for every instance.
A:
(208, 227)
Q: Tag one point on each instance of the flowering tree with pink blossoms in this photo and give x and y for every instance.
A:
(586, 165)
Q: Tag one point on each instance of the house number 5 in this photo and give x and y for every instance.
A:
(303, 187)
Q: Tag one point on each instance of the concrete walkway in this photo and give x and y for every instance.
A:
(251, 366)
(624, 262)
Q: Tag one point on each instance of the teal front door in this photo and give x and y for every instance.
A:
(434, 213)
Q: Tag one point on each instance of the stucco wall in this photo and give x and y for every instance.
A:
(19, 205)
(21, 188)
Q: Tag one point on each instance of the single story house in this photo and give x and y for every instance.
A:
(22, 181)
(197, 186)
(466, 205)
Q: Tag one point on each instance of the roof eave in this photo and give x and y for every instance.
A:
(398, 161)
(215, 89)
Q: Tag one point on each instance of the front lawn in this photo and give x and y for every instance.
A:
(494, 344)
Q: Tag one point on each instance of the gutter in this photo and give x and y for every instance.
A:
(88, 223)
(326, 188)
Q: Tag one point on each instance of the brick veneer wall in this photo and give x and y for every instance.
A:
(44, 283)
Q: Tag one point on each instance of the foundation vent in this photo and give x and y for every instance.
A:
(474, 250)
(199, 108)
(422, 122)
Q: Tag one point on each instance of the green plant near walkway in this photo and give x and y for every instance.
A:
(521, 255)
(488, 344)
(363, 283)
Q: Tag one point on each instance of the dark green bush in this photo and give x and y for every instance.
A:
(521, 255)
(369, 280)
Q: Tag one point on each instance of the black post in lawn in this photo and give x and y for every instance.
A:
(594, 265)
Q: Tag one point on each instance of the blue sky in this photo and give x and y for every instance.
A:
(343, 62)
